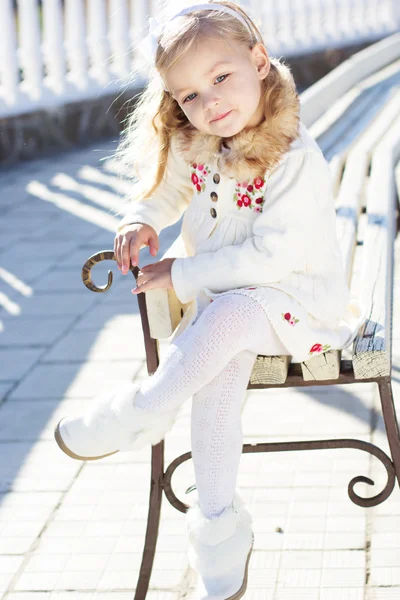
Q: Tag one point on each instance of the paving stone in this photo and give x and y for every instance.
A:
(297, 559)
(116, 317)
(27, 270)
(385, 576)
(56, 281)
(296, 594)
(341, 577)
(344, 559)
(5, 388)
(14, 364)
(74, 380)
(31, 421)
(52, 305)
(385, 558)
(377, 593)
(106, 345)
(39, 467)
(342, 593)
(38, 332)
(303, 578)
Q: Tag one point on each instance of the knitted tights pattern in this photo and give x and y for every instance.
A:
(212, 361)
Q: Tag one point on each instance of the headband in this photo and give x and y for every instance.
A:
(149, 45)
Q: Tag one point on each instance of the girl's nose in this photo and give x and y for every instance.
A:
(210, 100)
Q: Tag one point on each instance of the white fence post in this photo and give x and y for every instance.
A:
(53, 46)
(139, 17)
(97, 41)
(9, 75)
(119, 37)
(30, 48)
(75, 43)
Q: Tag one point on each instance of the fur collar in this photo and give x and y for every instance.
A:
(253, 152)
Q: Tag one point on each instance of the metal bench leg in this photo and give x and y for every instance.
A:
(153, 520)
(391, 423)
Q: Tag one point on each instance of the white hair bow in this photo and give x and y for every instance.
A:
(149, 45)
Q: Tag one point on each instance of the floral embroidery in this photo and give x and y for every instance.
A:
(289, 318)
(319, 348)
(199, 174)
(250, 194)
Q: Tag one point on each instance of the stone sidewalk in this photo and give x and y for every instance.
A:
(75, 530)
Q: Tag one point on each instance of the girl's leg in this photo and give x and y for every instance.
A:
(230, 325)
(135, 416)
(219, 525)
(216, 432)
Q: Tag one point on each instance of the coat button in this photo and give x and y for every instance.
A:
(216, 178)
(214, 196)
(213, 212)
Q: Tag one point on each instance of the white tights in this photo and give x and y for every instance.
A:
(212, 362)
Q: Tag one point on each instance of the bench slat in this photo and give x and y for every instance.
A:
(359, 66)
(372, 348)
(270, 370)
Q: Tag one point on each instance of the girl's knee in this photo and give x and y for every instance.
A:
(236, 308)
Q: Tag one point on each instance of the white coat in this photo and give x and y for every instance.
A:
(271, 237)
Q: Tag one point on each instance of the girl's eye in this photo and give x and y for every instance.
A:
(222, 78)
(189, 98)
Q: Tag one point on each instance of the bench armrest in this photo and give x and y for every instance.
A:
(164, 310)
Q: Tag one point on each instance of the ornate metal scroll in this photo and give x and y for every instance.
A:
(92, 261)
(293, 446)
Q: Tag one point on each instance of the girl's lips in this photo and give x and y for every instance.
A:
(221, 116)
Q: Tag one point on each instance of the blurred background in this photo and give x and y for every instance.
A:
(65, 68)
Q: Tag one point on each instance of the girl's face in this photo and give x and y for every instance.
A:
(217, 84)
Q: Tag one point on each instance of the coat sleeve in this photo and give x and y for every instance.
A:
(297, 198)
(170, 199)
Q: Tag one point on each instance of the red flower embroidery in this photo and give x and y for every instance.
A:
(239, 203)
(319, 348)
(316, 348)
(291, 320)
(253, 198)
(199, 178)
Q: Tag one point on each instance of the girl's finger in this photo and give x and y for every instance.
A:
(117, 252)
(148, 284)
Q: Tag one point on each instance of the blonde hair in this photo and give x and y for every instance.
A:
(157, 115)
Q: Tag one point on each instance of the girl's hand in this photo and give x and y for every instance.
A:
(155, 276)
(128, 242)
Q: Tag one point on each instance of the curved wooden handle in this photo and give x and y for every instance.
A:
(93, 260)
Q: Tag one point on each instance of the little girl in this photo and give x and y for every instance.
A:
(217, 137)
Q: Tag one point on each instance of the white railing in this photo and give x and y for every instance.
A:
(55, 52)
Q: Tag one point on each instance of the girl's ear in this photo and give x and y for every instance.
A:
(261, 60)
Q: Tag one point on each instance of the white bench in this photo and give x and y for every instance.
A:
(354, 113)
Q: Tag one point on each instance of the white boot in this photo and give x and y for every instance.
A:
(219, 551)
(112, 424)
